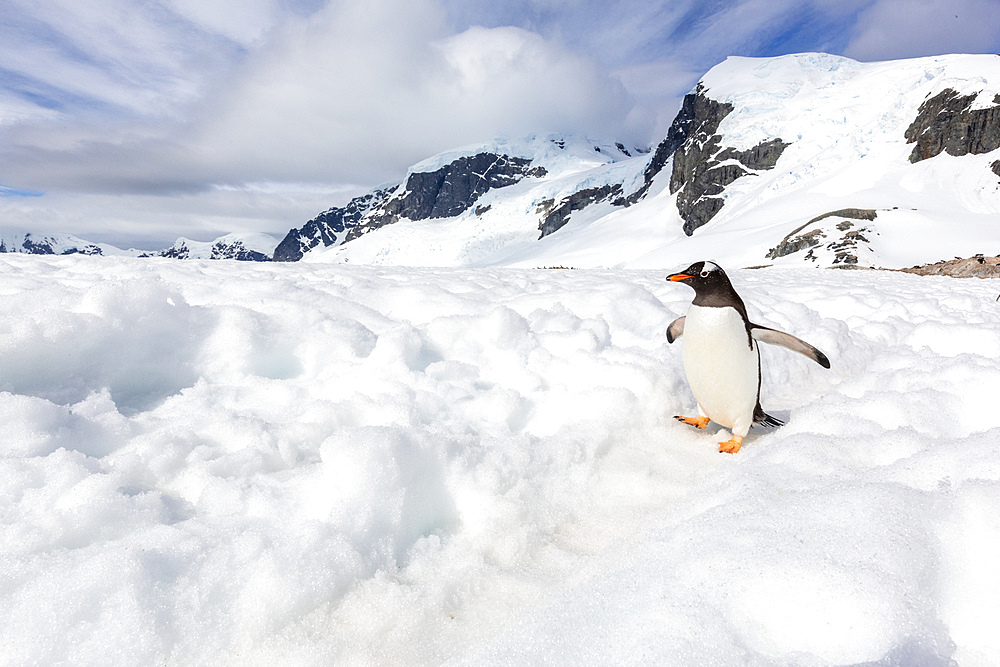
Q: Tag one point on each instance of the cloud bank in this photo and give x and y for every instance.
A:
(385, 84)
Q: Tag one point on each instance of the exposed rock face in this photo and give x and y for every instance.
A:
(844, 242)
(555, 216)
(702, 166)
(238, 251)
(948, 123)
(678, 133)
(220, 250)
(328, 226)
(971, 267)
(445, 192)
(448, 191)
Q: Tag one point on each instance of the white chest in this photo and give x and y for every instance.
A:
(722, 365)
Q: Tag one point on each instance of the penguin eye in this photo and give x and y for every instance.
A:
(704, 274)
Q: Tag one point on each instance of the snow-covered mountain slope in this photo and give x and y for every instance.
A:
(56, 244)
(534, 183)
(804, 159)
(244, 247)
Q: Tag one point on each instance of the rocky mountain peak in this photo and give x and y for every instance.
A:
(702, 166)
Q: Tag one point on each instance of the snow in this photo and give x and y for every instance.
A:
(240, 463)
(559, 153)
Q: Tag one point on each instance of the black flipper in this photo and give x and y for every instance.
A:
(775, 337)
(675, 330)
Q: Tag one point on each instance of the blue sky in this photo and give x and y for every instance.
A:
(137, 121)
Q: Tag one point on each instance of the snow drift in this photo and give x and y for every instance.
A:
(220, 462)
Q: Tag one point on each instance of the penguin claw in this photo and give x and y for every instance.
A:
(731, 446)
(697, 422)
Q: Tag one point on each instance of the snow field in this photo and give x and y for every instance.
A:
(313, 464)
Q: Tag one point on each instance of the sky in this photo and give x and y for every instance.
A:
(135, 122)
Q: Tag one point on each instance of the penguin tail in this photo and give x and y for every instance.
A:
(762, 418)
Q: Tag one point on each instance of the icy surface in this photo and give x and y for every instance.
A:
(221, 463)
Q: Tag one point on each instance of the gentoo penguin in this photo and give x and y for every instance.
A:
(721, 359)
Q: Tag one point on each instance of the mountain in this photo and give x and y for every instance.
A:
(242, 247)
(465, 184)
(803, 159)
(55, 244)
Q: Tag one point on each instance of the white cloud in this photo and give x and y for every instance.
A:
(107, 57)
(243, 21)
(892, 29)
(352, 93)
(361, 93)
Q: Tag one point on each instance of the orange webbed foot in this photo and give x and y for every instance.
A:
(731, 446)
(697, 422)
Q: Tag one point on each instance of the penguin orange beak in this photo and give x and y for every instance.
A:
(679, 276)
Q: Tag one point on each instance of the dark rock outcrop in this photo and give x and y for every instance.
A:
(677, 134)
(238, 251)
(449, 190)
(243, 255)
(702, 166)
(979, 266)
(948, 123)
(555, 216)
(329, 225)
(226, 247)
(842, 239)
(177, 251)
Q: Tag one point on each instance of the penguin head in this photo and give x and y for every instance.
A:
(702, 276)
(710, 283)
